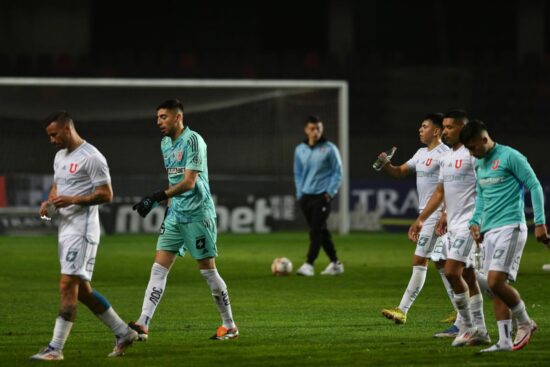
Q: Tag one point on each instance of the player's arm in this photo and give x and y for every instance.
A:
(101, 194)
(52, 194)
(475, 222)
(433, 204)
(298, 174)
(335, 176)
(397, 171)
(188, 183)
(523, 171)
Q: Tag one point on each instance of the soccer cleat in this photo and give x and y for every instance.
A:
(450, 319)
(497, 348)
(395, 314)
(480, 338)
(451, 332)
(142, 331)
(48, 354)
(334, 268)
(524, 334)
(224, 333)
(306, 270)
(464, 337)
(123, 342)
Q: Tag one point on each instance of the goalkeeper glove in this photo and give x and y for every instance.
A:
(148, 203)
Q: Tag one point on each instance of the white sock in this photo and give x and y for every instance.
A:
(60, 333)
(416, 283)
(220, 295)
(504, 332)
(462, 303)
(520, 314)
(476, 306)
(111, 319)
(153, 293)
(448, 287)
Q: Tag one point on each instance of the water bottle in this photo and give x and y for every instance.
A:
(379, 163)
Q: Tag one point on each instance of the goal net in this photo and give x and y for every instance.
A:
(251, 128)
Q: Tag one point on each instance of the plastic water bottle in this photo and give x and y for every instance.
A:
(379, 163)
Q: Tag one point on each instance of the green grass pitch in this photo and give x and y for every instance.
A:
(284, 321)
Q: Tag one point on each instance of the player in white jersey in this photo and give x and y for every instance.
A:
(81, 182)
(456, 187)
(425, 163)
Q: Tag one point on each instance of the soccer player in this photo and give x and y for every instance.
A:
(317, 175)
(425, 163)
(190, 221)
(499, 221)
(457, 188)
(81, 182)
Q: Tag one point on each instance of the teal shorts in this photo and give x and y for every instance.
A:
(197, 238)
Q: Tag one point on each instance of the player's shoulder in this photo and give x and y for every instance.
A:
(442, 148)
(509, 152)
(331, 145)
(90, 151)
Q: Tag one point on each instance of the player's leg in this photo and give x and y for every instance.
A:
(68, 291)
(454, 265)
(169, 245)
(103, 310)
(200, 240)
(321, 213)
(509, 242)
(476, 308)
(424, 247)
(307, 206)
(72, 258)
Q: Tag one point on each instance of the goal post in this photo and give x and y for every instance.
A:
(134, 97)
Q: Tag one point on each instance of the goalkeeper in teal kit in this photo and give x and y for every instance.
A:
(190, 221)
(499, 222)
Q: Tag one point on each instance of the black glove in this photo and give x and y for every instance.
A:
(148, 202)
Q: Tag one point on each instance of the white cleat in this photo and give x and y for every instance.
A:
(497, 348)
(464, 337)
(334, 268)
(122, 343)
(48, 354)
(306, 270)
(480, 338)
(524, 334)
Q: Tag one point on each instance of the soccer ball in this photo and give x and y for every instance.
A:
(281, 266)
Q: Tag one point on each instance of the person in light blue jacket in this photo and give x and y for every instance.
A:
(317, 175)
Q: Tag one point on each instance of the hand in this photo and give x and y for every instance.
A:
(147, 203)
(44, 209)
(476, 233)
(441, 227)
(327, 197)
(541, 233)
(414, 230)
(63, 201)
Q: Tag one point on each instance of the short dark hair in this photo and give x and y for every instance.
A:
(472, 130)
(457, 115)
(171, 104)
(436, 118)
(61, 117)
(313, 119)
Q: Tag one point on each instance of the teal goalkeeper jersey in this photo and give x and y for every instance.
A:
(188, 151)
(502, 176)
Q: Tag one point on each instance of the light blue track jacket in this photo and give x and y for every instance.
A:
(317, 169)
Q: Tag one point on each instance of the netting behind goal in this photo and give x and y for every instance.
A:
(251, 130)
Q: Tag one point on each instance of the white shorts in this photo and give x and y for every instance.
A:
(462, 247)
(77, 256)
(503, 249)
(427, 238)
(441, 248)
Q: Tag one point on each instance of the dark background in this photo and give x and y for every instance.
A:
(402, 59)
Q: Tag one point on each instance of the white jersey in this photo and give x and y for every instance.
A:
(459, 181)
(78, 173)
(426, 165)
